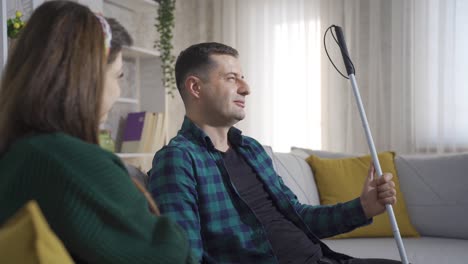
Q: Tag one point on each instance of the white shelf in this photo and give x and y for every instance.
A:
(127, 100)
(134, 155)
(137, 52)
(134, 5)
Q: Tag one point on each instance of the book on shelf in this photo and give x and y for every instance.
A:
(148, 139)
(144, 132)
(133, 132)
(160, 132)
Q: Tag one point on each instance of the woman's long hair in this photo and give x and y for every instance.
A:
(54, 77)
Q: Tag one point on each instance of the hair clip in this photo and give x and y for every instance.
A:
(107, 32)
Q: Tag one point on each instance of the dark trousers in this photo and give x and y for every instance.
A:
(358, 261)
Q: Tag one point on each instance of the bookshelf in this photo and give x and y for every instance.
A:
(137, 52)
(141, 87)
(134, 5)
(127, 100)
(134, 155)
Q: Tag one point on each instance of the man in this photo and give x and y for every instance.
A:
(222, 189)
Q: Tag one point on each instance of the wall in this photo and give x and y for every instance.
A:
(193, 24)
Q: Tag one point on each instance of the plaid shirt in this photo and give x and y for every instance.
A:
(190, 184)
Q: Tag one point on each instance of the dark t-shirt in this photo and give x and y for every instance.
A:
(290, 244)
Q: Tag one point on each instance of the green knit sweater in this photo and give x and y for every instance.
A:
(88, 200)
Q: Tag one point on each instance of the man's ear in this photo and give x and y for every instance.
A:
(193, 86)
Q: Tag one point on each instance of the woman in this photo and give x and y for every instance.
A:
(58, 85)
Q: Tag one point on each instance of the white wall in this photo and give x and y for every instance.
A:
(193, 24)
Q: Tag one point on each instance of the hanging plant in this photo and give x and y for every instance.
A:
(15, 25)
(164, 26)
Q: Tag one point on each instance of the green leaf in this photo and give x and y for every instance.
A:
(164, 25)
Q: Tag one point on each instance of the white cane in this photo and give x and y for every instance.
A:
(350, 71)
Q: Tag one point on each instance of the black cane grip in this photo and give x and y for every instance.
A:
(344, 50)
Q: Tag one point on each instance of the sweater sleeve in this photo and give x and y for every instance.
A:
(92, 205)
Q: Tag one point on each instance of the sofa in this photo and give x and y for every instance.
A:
(434, 189)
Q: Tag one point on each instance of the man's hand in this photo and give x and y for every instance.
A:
(377, 192)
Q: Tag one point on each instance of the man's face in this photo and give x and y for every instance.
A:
(224, 91)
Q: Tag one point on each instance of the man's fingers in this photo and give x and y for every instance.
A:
(371, 172)
(386, 186)
(389, 200)
(386, 177)
(387, 193)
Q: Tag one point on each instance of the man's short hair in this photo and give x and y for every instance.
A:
(196, 60)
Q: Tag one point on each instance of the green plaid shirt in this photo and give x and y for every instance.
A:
(190, 184)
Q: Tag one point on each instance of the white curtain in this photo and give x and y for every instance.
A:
(410, 58)
(440, 68)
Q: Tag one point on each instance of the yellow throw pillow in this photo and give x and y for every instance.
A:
(341, 180)
(27, 238)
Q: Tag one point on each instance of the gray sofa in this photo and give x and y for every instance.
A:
(435, 189)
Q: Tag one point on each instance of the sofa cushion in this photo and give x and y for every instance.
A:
(296, 174)
(341, 180)
(426, 250)
(435, 188)
(27, 238)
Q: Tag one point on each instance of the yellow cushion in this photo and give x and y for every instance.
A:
(341, 180)
(27, 238)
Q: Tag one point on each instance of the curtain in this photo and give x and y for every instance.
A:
(279, 46)
(410, 58)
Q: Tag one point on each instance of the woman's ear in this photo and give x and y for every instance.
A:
(193, 86)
